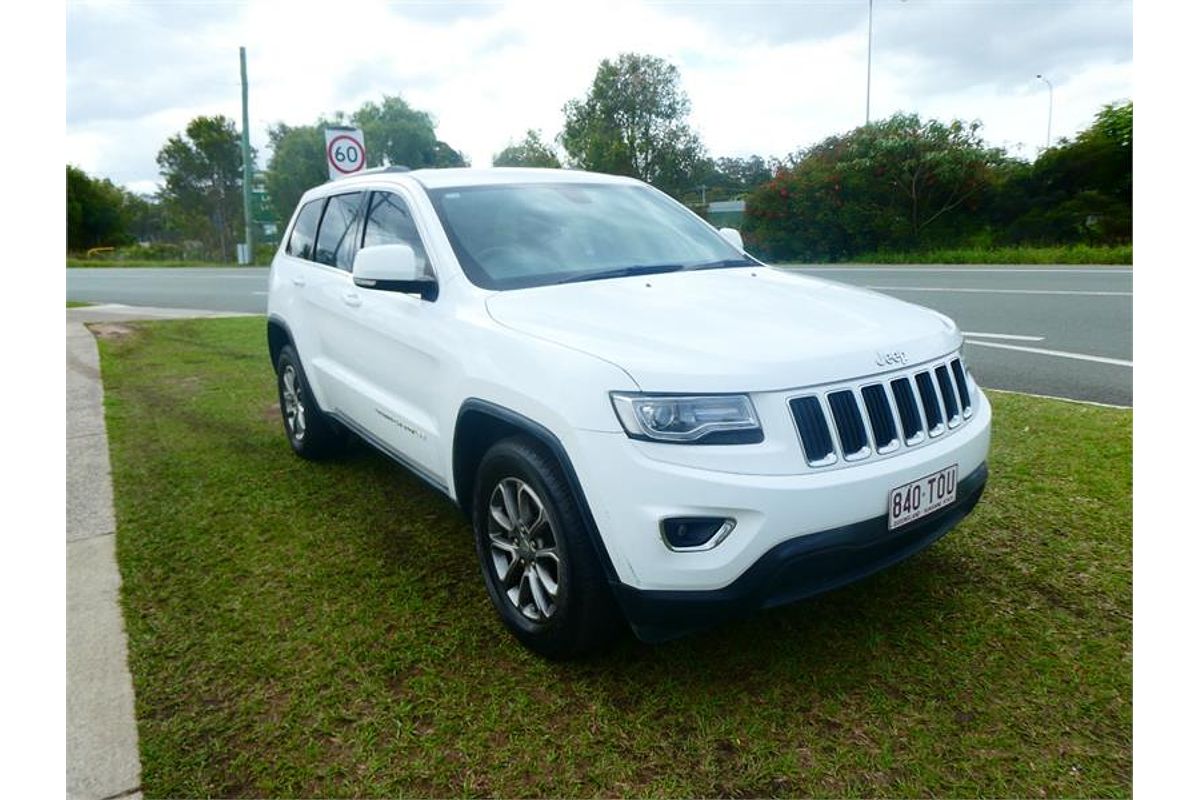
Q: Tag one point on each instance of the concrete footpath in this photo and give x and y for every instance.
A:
(102, 744)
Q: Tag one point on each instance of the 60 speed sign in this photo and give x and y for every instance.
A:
(344, 151)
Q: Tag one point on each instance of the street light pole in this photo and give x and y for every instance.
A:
(870, 23)
(1050, 113)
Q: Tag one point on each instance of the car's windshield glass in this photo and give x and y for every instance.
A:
(518, 235)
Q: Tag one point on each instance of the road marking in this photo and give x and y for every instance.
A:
(991, 389)
(995, 291)
(1048, 270)
(1014, 336)
(258, 293)
(1059, 353)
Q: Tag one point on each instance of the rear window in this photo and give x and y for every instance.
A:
(335, 240)
(304, 232)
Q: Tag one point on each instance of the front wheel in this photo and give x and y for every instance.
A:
(541, 573)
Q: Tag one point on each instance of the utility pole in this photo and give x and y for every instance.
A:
(247, 164)
(870, 24)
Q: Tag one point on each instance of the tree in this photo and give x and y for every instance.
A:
(902, 183)
(144, 218)
(633, 121)
(1080, 190)
(394, 134)
(202, 192)
(96, 212)
(530, 152)
(297, 164)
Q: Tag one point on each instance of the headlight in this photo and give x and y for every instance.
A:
(704, 419)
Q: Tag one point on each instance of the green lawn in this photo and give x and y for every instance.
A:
(77, 304)
(322, 630)
(1060, 254)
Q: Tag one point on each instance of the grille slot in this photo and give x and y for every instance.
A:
(849, 422)
(960, 380)
(930, 404)
(879, 412)
(948, 397)
(814, 431)
(853, 422)
(910, 415)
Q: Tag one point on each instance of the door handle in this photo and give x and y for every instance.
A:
(297, 281)
(351, 299)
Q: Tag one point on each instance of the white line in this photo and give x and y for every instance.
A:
(1061, 354)
(1048, 270)
(1014, 336)
(995, 291)
(1055, 397)
(258, 293)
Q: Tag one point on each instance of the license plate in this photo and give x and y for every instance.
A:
(922, 497)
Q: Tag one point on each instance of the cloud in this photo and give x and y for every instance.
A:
(764, 77)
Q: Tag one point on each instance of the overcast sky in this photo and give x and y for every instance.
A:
(764, 77)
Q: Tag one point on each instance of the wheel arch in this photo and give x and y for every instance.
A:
(481, 424)
(278, 335)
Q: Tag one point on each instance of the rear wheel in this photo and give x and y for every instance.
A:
(311, 433)
(541, 573)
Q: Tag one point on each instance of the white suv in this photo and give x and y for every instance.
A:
(643, 423)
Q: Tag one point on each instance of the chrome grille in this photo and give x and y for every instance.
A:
(883, 415)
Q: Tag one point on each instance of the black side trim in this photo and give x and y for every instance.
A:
(795, 569)
(547, 438)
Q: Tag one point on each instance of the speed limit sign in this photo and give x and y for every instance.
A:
(344, 151)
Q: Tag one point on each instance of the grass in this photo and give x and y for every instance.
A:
(1064, 254)
(77, 304)
(298, 629)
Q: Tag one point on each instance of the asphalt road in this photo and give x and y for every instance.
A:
(1059, 331)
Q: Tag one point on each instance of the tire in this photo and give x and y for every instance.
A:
(310, 432)
(542, 574)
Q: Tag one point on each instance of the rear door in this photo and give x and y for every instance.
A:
(325, 297)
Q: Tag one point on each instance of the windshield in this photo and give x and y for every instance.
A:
(518, 235)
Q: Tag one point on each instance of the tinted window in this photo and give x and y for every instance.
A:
(390, 222)
(304, 233)
(335, 240)
(513, 236)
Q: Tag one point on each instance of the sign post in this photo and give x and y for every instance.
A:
(344, 151)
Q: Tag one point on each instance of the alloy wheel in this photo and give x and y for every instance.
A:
(524, 549)
(293, 403)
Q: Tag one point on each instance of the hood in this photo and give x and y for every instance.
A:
(748, 329)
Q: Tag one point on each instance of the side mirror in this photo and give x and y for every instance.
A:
(732, 236)
(392, 268)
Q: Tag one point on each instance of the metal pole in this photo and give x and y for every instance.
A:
(247, 164)
(1050, 113)
(870, 23)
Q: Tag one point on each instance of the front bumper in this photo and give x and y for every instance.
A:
(630, 490)
(794, 569)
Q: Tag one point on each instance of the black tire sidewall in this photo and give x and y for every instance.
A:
(518, 459)
(319, 436)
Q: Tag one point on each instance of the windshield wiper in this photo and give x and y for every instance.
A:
(722, 264)
(622, 272)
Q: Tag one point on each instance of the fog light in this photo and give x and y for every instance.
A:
(695, 533)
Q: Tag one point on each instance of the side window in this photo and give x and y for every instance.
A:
(390, 222)
(335, 240)
(304, 232)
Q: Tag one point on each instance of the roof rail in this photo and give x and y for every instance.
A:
(376, 171)
(389, 168)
